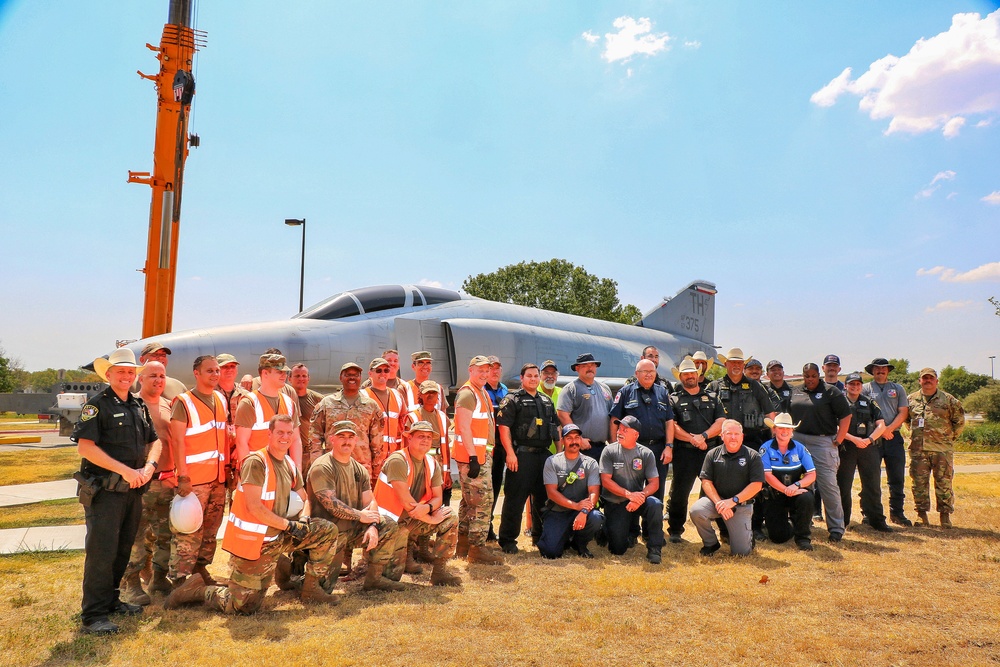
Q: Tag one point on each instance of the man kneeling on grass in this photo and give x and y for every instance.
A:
(257, 531)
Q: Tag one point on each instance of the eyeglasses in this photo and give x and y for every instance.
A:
(380, 371)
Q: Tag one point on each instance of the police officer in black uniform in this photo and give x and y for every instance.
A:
(860, 451)
(119, 446)
(527, 424)
(698, 417)
(648, 402)
(776, 383)
(744, 400)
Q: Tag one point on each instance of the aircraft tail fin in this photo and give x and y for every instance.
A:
(690, 313)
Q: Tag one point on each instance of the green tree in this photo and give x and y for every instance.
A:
(555, 285)
(9, 372)
(959, 382)
(901, 374)
(986, 401)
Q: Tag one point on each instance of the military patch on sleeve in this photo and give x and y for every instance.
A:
(89, 412)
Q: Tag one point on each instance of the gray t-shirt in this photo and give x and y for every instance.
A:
(890, 398)
(629, 468)
(588, 407)
(570, 477)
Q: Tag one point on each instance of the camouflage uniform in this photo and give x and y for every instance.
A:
(153, 539)
(444, 545)
(198, 548)
(935, 423)
(477, 502)
(366, 414)
(349, 539)
(250, 579)
(307, 404)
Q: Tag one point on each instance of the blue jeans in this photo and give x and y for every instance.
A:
(557, 531)
(620, 524)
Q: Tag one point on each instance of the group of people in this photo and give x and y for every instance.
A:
(307, 478)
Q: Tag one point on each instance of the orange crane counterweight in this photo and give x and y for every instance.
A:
(174, 92)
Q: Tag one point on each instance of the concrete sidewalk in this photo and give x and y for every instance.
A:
(42, 538)
(21, 494)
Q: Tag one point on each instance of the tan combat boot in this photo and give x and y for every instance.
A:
(462, 547)
(945, 523)
(412, 566)
(192, 590)
(283, 574)
(374, 581)
(313, 592)
(484, 556)
(440, 576)
(160, 583)
(131, 588)
(922, 519)
(424, 554)
(205, 576)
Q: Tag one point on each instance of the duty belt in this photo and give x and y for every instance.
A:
(655, 441)
(533, 448)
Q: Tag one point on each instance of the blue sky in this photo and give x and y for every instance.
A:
(651, 142)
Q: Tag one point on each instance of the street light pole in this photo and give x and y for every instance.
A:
(294, 222)
(991, 367)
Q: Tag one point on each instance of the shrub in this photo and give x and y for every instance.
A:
(986, 401)
(981, 436)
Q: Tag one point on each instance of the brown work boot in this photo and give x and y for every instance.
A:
(922, 519)
(283, 574)
(192, 590)
(374, 581)
(146, 573)
(131, 590)
(424, 554)
(440, 576)
(484, 556)
(160, 583)
(412, 566)
(945, 523)
(205, 576)
(313, 592)
(462, 547)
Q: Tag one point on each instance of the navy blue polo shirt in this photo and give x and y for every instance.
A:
(650, 406)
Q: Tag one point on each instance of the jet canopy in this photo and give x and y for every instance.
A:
(373, 299)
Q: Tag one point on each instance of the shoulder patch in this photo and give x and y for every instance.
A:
(88, 413)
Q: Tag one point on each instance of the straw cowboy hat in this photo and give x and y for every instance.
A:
(120, 357)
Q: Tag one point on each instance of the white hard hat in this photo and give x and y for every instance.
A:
(295, 505)
(186, 514)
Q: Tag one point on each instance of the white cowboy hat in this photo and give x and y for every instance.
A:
(120, 357)
(781, 420)
(735, 354)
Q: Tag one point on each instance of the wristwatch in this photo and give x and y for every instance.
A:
(736, 499)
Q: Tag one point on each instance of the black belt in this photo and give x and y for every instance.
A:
(533, 448)
(650, 443)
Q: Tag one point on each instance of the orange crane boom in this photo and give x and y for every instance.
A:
(174, 92)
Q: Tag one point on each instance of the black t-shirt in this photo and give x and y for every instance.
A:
(819, 410)
(731, 473)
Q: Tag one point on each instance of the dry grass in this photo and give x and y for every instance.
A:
(26, 466)
(916, 597)
(63, 512)
(977, 458)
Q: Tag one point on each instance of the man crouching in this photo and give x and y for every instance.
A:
(409, 491)
(257, 532)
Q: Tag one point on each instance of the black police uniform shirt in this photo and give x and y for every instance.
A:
(695, 413)
(650, 406)
(865, 413)
(819, 410)
(745, 401)
(784, 395)
(731, 473)
(122, 429)
(629, 468)
(531, 419)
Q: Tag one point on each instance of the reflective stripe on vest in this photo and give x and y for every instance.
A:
(413, 395)
(390, 434)
(244, 537)
(206, 451)
(482, 421)
(258, 433)
(389, 503)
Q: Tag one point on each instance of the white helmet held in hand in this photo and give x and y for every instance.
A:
(295, 505)
(186, 514)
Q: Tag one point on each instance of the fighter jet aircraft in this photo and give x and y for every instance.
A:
(360, 324)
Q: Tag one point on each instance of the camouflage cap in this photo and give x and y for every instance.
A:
(427, 386)
(421, 355)
(275, 361)
(854, 377)
(479, 360)
(379, 361)
(928, 371)
(344, 425)
(421, 426)
(153, 347)
(349, 365)
(493, 359)
(225, 359)
(548, 363)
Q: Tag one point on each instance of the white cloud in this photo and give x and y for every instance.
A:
(692, 44)
(951, 195)
(986, 273)
(948, 305)
(939, 178)
(940, 82)
(590, 37)
(425, 282)
(634, 37)
(992, 198)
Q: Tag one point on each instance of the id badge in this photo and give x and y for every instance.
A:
(920, 422)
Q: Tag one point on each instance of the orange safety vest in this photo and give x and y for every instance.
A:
(388, 500)
(258, 435)
(482, 422)
(206, 450)
(392, 414)
(413, 416)
(244, 537)
(413, 395)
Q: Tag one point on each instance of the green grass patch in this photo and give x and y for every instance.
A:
(62, 512)
(27, 466)
(979, 438)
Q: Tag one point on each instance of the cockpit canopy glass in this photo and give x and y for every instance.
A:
(374, 299)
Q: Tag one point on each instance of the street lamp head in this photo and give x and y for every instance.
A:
(294, 222)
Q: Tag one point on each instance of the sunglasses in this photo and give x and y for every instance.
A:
(382, 370)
